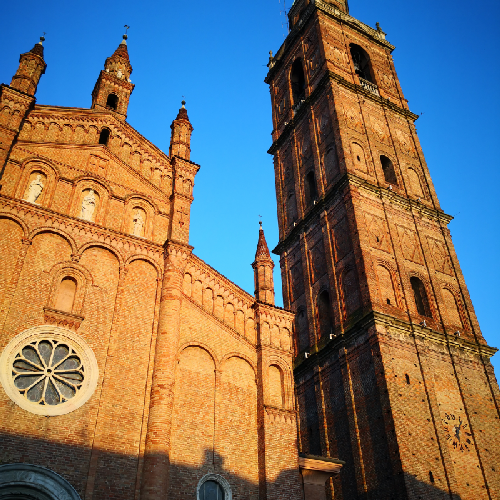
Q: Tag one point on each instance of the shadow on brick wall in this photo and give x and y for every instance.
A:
(102, 474)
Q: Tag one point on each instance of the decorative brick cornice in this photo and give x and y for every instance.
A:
(393, 326)
(347, 180)
(61, 318)
(275, 414)
(35, 216)
(99, 117)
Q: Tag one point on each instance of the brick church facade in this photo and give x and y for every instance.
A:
(131, 369)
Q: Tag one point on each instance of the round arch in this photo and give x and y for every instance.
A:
(18, 220)
(34, 482)
(47, 229)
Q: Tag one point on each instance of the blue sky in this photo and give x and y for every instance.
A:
(215, 54)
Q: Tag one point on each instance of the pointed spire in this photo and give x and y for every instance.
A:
(113, 87)
(180, 139)
(38, 48)
(263, 271)
(262, 250)
(182, 114)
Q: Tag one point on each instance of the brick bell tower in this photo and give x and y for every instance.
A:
(392, 372)
(113, 87)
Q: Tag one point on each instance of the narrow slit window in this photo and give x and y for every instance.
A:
(325, 321)
(388, 169)
(311, 192)
(420, 295)
(298, 82)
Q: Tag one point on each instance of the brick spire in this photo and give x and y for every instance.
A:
(180, 139)
(113, 87)
(31, 68)
(263, 271)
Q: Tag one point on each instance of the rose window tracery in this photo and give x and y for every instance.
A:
(48, 372)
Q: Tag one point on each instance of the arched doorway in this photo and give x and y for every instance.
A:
(32, 482)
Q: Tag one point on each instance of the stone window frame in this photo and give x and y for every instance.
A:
(34, 481)
(50, 332)
(80, 186)
(51, 177)
(228, 494)
(137, 201)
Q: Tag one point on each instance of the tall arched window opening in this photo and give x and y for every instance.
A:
(104, 136)
(298, 82)
(311, 192)
(361, 63)
(112, 102)
(302, 330)
(420, 295)
(388, 169)
(324, 314)
(66, 293)
(211, 490)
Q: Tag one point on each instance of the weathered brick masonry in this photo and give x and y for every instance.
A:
(392, 372)
(194, 377)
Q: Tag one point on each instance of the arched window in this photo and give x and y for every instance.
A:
(276, 393)
(388, 168)
(361, 63)
(302, 330)
(112, 102)
(104, 136)
(311, 193)
(420, 296)
(298, 82)
(324, 314)
(66, 293)
(211, 490)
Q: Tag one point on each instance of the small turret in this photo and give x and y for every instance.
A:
(263, 271)
(180, 139)
(31, 68)
(113, 87)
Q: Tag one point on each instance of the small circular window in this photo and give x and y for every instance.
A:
(48, 370)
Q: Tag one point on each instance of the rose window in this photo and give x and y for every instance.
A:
(48, 372)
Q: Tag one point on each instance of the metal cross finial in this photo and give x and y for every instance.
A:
(260, 221)
(126, 29)
(42, 38)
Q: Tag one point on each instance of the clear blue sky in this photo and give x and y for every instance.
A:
(215, 54)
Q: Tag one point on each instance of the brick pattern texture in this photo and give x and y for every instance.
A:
(395, 368)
